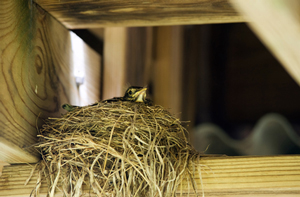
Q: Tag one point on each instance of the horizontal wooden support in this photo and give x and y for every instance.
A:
(103, 13)
(221, 176)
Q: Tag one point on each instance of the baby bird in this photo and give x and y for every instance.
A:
(133, 94)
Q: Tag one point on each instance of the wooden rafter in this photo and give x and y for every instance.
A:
(277, 24)
(104, 13)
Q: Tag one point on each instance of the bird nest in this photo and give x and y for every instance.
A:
(115, 149)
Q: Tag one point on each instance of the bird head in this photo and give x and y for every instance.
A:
(136, 94)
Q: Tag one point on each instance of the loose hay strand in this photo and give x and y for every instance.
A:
(117, 149)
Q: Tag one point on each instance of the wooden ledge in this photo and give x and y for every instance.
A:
(230, 176)
(94, 14)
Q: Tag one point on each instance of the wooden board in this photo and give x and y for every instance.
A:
(221, 176)
(37, 75)
(2, 164)
(115, 39)
(168, 68)
(103, 13)
(277, 24)
(139, 58)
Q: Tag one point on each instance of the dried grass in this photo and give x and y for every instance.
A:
(116, 149)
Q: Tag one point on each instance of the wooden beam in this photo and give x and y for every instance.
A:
(2, 164)
(277, 24)
(37, 64)
(221, 176)
(139, 49)
(115, 39)
(103, 13)
(168, 68)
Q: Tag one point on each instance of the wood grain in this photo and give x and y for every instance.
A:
(221, 176)
(36, 76)
(277, 24)
(103, 13)
(2, 164)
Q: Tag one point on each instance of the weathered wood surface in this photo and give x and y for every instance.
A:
(103, 13)
(221, 176)
(277, 24)
(37, 76)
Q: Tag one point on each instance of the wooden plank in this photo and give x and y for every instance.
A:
(221, 176)
(277, 24)
(168, 67)
(2, 164)
(37, 75)
(115, 39)
(139, 57)
(103, 13)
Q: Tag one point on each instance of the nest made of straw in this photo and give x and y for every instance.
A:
(116, 149)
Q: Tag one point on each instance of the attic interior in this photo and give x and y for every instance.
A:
(219, 77)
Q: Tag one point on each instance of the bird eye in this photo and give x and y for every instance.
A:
(130, 92)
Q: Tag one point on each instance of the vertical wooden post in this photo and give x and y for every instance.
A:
(115, 39)
(139, 55)
(167, 77)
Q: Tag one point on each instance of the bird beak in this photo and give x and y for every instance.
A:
(141, 95)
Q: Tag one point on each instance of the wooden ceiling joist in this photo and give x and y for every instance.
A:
(103, 13)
